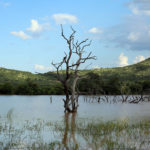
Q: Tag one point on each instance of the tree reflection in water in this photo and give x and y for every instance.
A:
(72, 133)
(69, 131)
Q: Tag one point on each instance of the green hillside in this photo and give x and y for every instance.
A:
(26, 83)
(17, 77)
(139, 71)
(95, 79)
(132, 72)
(130, 79)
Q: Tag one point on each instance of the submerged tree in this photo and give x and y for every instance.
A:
(69, 76)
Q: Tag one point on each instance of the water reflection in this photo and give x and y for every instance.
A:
(69, 130)
(29, 107)
(28, 123)
(72, 133)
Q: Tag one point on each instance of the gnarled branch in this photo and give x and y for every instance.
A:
(71, 70)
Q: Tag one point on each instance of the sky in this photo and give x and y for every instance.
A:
(30, 33)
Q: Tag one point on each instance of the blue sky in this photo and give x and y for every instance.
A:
(30, 32)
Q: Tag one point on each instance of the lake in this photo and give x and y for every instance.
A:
(36, 122)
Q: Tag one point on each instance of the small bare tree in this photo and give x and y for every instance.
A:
(69, 76)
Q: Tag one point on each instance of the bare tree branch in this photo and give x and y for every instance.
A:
(71, 70)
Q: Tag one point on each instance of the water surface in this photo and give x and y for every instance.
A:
(36, 122)
(29, 107)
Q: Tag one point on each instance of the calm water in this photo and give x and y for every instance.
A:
(29, 107)
(34, 122)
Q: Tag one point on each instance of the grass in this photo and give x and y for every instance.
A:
(73, 134)
(112, 135)
(139, 71)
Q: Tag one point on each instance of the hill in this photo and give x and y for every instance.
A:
(17, 77)
(26, 83)
(139, 71)
(47, 83)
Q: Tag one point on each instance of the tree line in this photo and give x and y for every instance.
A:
(95, 84)
(30, 87)
(92, 84)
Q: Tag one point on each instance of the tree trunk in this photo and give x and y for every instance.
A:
(74, 97)
(67, 99)
(71, 102)
(71, 69)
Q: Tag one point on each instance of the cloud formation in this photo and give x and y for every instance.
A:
(123, 60)
(65, 19)
(139, 59)
(134, 32)
(96, 67)
(133, 36)
(42, 68)
(140, 7)
(95, 30)
(37, 28)
(21, 35)
(34, 31)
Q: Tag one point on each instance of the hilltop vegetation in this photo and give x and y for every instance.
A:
(130, 79)
(139, 71)
(17, 77)
(20, 82)
(133, 78)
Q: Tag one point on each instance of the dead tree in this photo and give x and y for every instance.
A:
(69, 76)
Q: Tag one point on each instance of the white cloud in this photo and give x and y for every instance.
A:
(137, 11)
(140, 7)
(146, 12)
(37, 28)
(96, 67)
(123, 60)
(42, 68)
(139, 59)
(133, 36)
(22, 35)
(34, 31)
(95, 30)
(65, 19)
(134, 31)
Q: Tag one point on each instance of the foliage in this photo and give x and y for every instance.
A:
(133, 79)
(72, 133)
